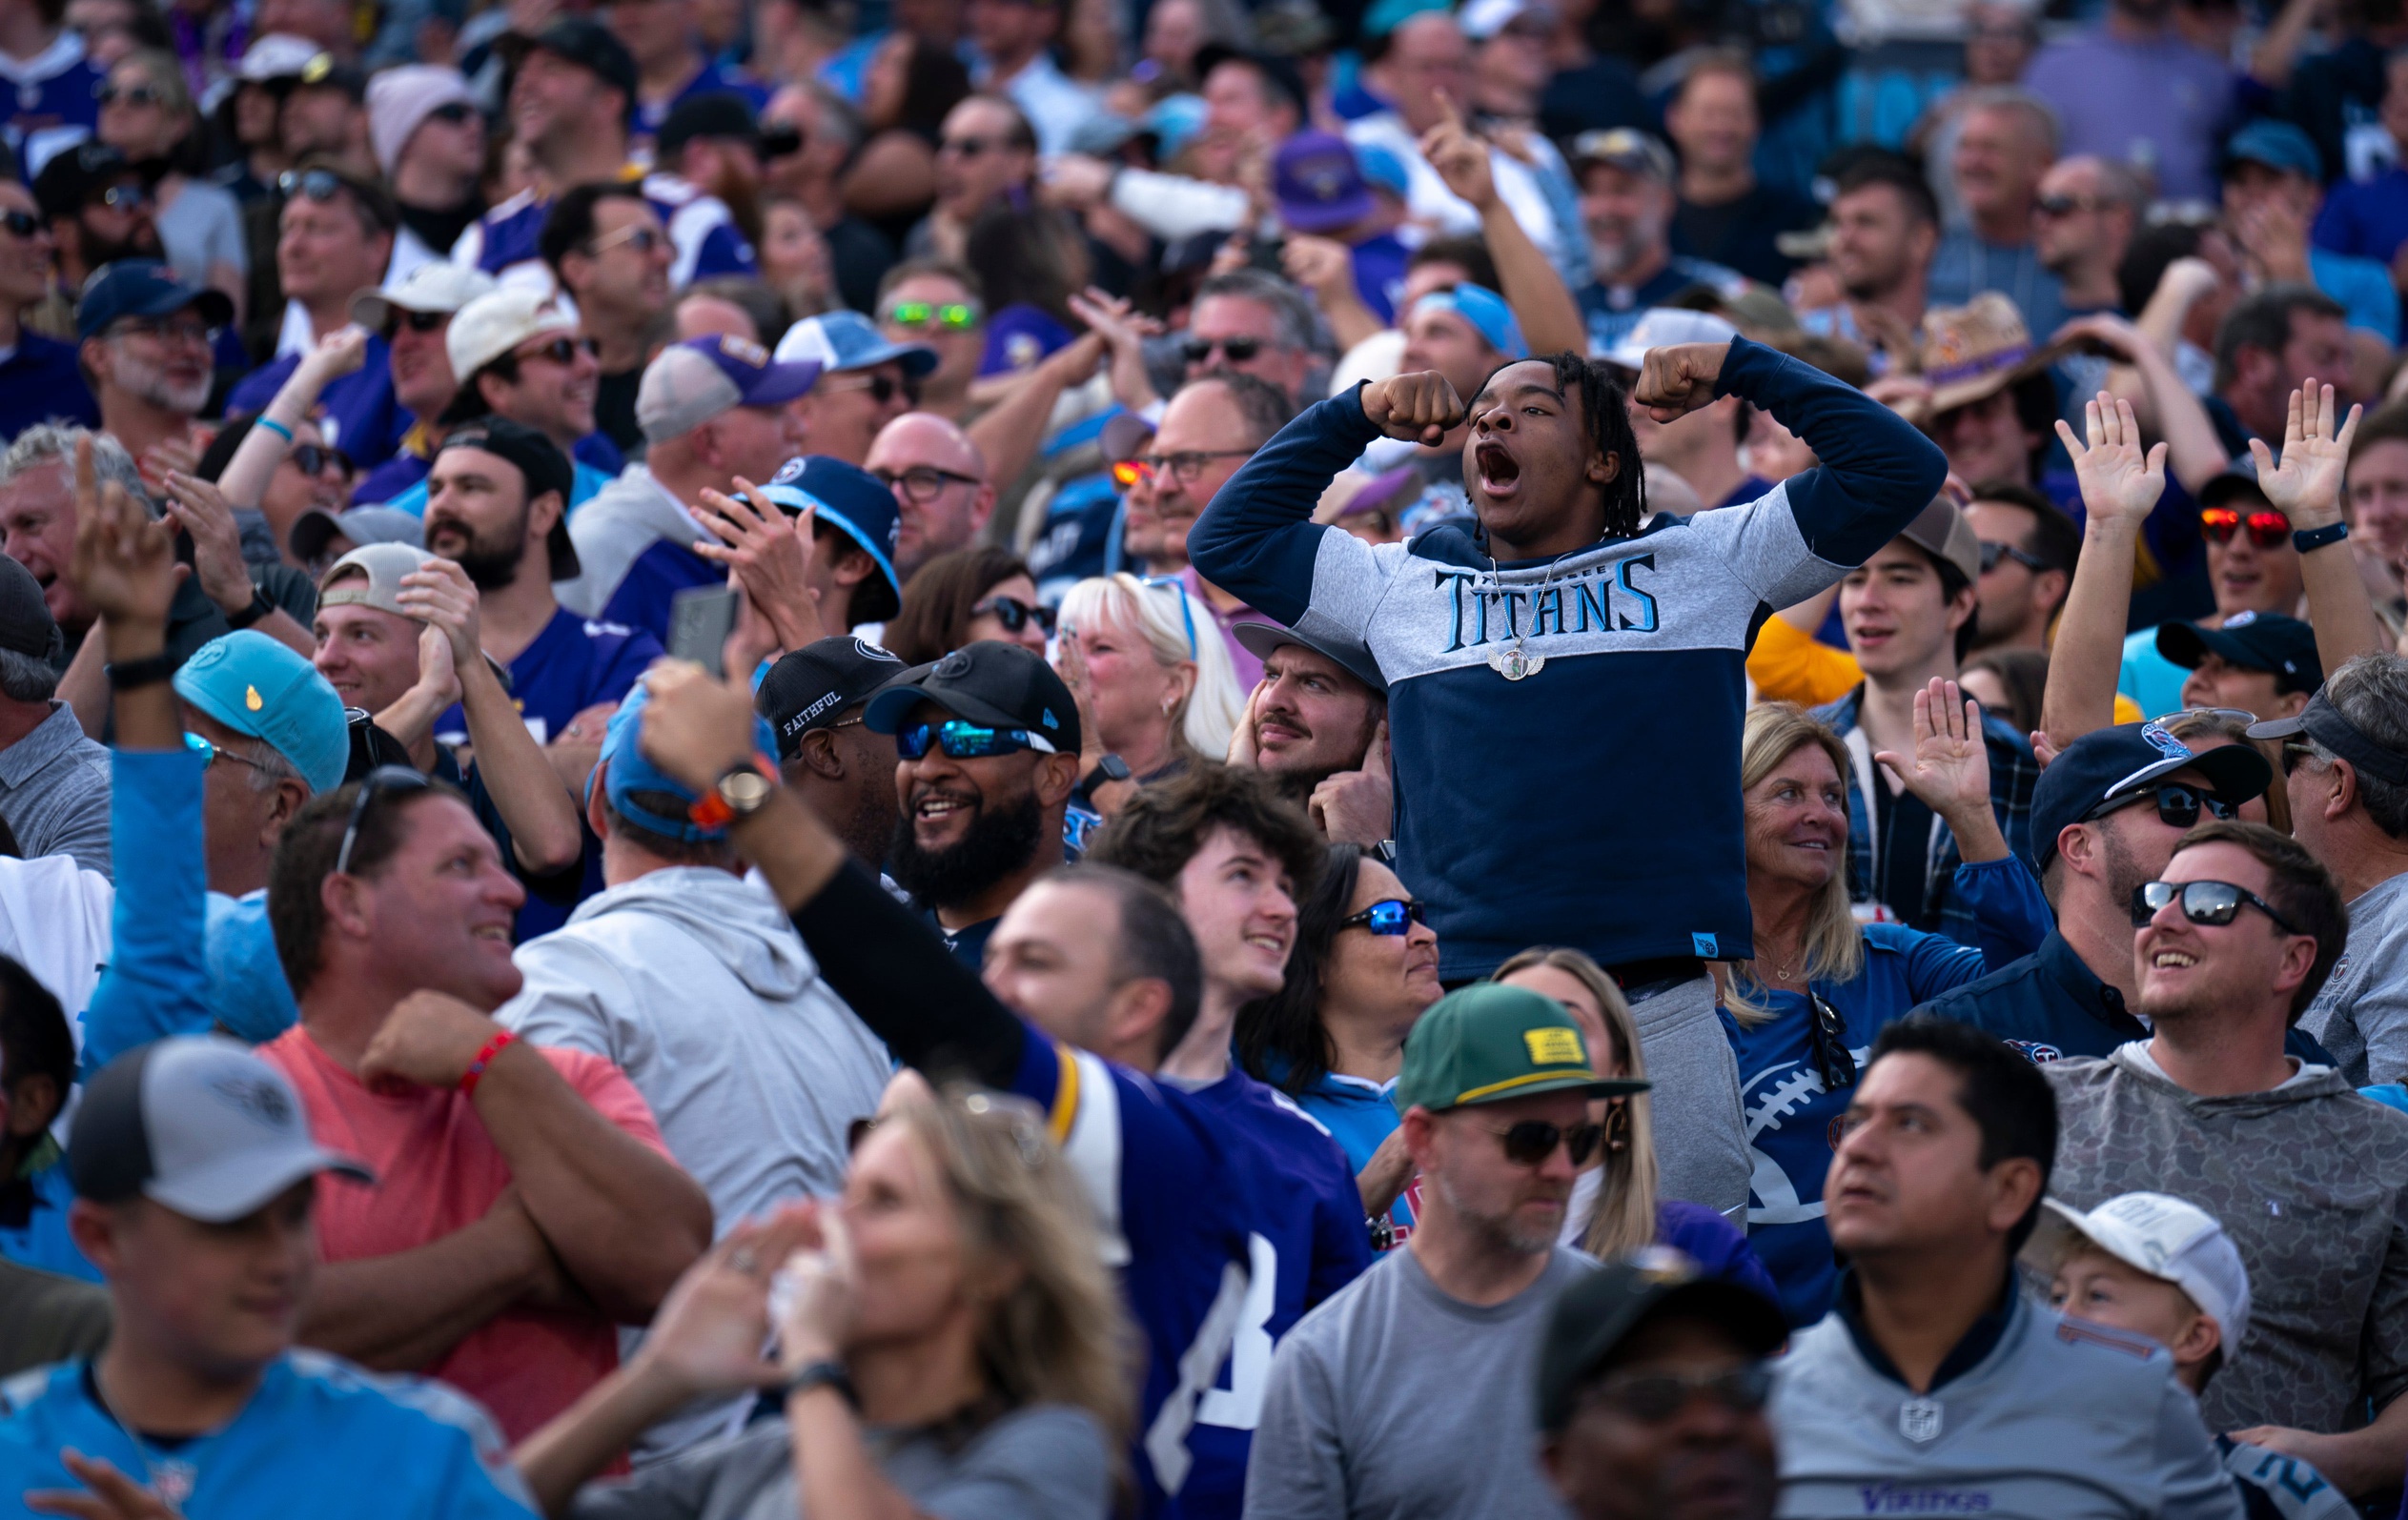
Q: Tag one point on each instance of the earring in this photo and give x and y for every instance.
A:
(1169, 702)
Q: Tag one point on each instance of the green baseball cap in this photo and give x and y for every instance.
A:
(1489, 1042)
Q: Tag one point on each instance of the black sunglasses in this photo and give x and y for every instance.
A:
(21, 224)
(1994, 553)
(1651, 1398)
(1196, 350)
(383, 778)
(1531, 1142)
(1388, 917)
(1014, 613)
(564, 350)
(883, 389)
(109, 94)
(455, 112)
(780, 138)
(2294, 751)
(313, 458)
(2211, 903)
(415, 321)
(2177, 804)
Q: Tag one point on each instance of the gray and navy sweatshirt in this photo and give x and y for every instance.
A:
(1594, 804)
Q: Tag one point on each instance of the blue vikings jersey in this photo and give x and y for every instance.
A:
(704, 234)
(54, 105)
(320, 1436)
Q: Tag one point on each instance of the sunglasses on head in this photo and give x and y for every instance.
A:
(1531, 1142)
(21, 224)
(950, 316)
(1187, 614)
(1388, 917)
(883, 389)
(2268, 528)
(2214, 904)
(1651, 1398)
(109, 94)
(2178, 806)
(564, 350)
(317, 184)
(383, 778)
(961, 741)
(780, 139)
(1994, 553)
(313, 458)
(1197, 350)
(1014, 614)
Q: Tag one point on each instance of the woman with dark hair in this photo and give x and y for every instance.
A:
(906, 90)
(2009, 682)
(965, 595)
(1363, 971)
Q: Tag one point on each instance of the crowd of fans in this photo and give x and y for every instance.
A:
(1242, 758)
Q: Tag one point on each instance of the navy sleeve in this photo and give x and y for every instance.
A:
(1257, 539)
(1876, 470)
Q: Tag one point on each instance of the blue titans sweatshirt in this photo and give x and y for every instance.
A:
(1596, 802)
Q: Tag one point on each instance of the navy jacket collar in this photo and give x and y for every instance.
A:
(1979, 1341)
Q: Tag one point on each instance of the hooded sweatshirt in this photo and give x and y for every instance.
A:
(635, 549)
(693, 982)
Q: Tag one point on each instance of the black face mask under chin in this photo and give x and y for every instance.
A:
(1001, 840)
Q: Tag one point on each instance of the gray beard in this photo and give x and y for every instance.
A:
(1498, 1231)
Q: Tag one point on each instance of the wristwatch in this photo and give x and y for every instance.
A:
(823, 1374)
(260, 607)
(738, 794)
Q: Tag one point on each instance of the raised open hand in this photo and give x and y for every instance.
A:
(1949, 769)
(2120, 482)
(1678, 378)
(771, 555)
(2306, 486)
(1421, 406)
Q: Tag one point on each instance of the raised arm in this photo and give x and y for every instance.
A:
(245, 479)
(2120, 486)
(2307, 489)
(1550, 318)
(888, 965)
(2191, 447)
(199, 508)
(1010, 432)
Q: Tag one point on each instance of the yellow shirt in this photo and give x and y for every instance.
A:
(1790, 666)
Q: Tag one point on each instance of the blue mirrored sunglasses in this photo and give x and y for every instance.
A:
(961, 741)
(1389, 916)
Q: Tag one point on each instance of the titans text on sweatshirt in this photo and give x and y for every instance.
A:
(1596, 801)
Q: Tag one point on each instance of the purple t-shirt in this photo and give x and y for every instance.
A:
(2161, 102)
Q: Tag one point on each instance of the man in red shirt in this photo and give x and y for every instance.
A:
(527, 1205)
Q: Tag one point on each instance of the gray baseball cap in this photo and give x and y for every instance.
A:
(314, 530)
(197, 1123)
(370, 575)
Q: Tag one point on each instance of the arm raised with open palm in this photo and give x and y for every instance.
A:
(2121, 483)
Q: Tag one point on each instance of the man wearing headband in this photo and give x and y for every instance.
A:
(2345, 766)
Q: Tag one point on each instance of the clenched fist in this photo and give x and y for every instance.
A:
(1421, 407)
(1679, 379)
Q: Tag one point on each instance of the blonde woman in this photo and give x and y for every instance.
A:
(1151, 671)
(147, 113)
(1615, 1209)
(949, 1339)
(1802, 1015)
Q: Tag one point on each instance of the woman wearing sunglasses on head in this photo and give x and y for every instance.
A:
(1804, 1014)
(147, 113)
(960, 597)
(1152, 673)
(948, 1341)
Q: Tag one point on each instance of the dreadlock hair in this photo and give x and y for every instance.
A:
(1602, 409)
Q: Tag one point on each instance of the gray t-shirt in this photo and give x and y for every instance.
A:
(1046, 1462)
(202, 226)
(54, 792)
(1394, 1401)
(2362, 1014)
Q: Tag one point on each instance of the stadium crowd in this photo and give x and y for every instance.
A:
(1245, 760)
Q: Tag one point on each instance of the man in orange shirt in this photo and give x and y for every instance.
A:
(528, 1205)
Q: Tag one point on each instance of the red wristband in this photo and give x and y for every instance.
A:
(476, 1072)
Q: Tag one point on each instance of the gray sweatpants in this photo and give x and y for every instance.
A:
(1701, 1143)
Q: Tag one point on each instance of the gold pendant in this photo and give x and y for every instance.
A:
(1515, 662)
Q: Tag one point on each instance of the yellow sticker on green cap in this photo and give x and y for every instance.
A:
(1555, 1046)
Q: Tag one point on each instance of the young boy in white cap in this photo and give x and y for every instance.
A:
(2156, 1266)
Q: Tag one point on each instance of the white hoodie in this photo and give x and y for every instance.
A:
(694, 983)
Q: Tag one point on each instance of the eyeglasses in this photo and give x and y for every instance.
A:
(2177, 804)
(1389, 916)
(1186, 615)
(2063, 205)
(961, 741)
(109, 94)
(1184, 467)
(1531, 1142)
(457, 112)
(2214, 904)
(1651, 1398)
(416, 321)
(313, 458)
(883, 389)
(123, 198)
(211, 754)
(922, 483)
(779, 139)
(562, 350)
(167, 330)
(950, 316)
(2267, 529)
(1994, 553)
(21, 224)
(643, 239)
(383, 778)
(1239, 349)
(317, 184)
(1014, 613)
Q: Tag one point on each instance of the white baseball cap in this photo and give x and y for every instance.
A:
(2163, 1236)
(437, 285)
(1663, 327)
(277, 55)
(492, 325)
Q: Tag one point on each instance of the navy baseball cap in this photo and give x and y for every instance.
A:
(848, 497)
(2108, 765)
(1595, 1316)
(2277, 144)
(998, 684)
(811, 687)
(2327, 724)
(2284, 648)
(848, 340)
(542, 467)
(595, 48)
(143, 287)
(1318, 183)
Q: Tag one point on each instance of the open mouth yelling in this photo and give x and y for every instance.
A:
(1499, 472)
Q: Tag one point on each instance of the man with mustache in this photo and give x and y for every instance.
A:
(1317, 726)
(989, 740)
(145, 344)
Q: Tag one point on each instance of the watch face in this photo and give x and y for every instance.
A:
(744, 790)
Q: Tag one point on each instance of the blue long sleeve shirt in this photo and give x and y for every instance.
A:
(1553, 810)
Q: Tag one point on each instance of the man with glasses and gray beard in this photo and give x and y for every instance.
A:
(145, 350)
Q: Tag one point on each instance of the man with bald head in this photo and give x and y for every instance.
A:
(1210, 427)
(939, 481)
(2084, 220)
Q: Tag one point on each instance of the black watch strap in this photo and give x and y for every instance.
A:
(146, 671)
(823, 1374)
(261, 606)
